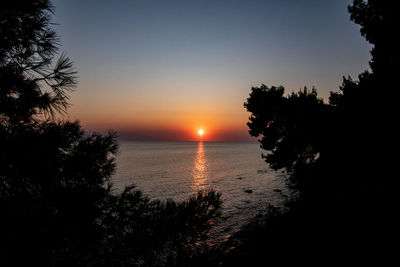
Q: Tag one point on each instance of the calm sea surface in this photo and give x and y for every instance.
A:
(178, 170)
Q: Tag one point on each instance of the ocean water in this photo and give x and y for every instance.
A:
(177, 170)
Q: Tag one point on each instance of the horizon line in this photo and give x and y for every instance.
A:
(175, 141)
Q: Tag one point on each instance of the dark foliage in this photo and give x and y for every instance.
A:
(291, 127)
(56, 201)
(338, 155)
(138, 231)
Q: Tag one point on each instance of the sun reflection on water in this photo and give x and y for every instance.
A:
(199, 171)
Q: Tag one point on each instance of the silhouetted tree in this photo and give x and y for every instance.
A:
(56, 201)
(317, 140)
(337, 154)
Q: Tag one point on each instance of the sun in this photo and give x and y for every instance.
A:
(200, 132)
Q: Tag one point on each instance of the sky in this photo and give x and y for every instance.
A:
(163, 69)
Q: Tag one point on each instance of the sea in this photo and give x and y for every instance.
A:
(178, 170)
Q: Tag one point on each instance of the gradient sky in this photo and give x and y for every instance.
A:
(160, 70)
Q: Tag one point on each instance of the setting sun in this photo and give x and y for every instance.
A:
(201, 132)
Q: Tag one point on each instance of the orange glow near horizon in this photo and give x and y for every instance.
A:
(174, 113)
(177, 122)
(169, 131)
